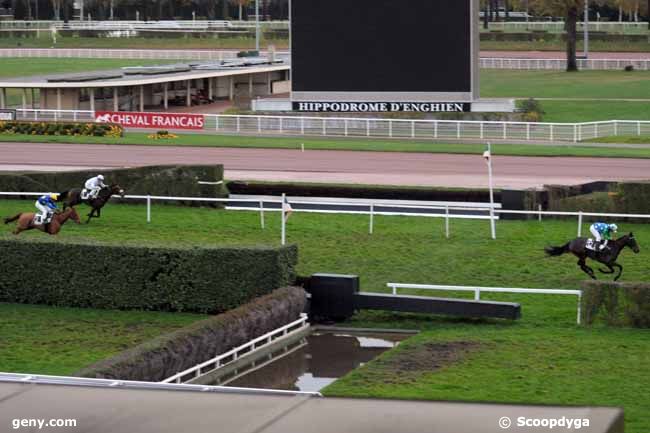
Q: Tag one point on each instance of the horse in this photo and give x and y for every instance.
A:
(26, 221)
(72, 197)
(578, 247)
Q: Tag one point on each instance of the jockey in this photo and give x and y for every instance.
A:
(602, 231)
(46, 204)
(94, 185)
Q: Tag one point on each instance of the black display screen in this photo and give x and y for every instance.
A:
(381, 45)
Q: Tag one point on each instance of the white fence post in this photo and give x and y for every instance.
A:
(148, 208)
(447, 221)
(477, 294)
(284, 222)
(262, 214)
(579, 223)
(372, 218)
(539, 207)
(638, 128)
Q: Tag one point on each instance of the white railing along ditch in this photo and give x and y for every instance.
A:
(233, 355)
(478, 290)
(314, 126)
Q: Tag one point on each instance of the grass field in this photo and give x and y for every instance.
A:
(543, 358)
(633, 139)
(61, 341)
(207, 140)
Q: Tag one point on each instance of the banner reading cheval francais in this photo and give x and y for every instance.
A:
(130, 119)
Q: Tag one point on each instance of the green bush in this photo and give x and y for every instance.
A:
(616, 304)
(202, 280)
(180, 181)
(166, 355)
(61, 128)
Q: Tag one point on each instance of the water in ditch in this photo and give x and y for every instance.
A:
(315, 361)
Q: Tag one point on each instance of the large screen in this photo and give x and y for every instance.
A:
(383, 50)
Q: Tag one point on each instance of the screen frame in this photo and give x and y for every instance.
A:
(412, 96)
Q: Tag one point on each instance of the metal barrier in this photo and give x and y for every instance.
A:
(477, 291)
(560, 64)
(233, 355)
(388, 128)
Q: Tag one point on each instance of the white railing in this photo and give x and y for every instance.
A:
(132, 24)
(560, 64)
(233, 355)
(132, 384)
(478, 290)
(313, 126)
(100, 53)
(558, 26)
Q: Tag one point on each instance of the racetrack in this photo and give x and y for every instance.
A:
(381, 168)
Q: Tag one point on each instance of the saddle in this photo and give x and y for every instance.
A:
(85, 194)
(38, 219)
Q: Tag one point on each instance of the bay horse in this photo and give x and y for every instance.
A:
(608, 257)
(26, 221)
(72, 197)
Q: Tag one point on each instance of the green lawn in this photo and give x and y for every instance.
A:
(61, 341)
(22, 67)
(543, 358)
(593, 111)
(631, 139)
(207, 140)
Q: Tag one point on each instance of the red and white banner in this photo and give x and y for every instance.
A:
(130, 119)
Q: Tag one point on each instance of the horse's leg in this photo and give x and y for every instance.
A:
(620, 270)
(586, 269)
(611, 270)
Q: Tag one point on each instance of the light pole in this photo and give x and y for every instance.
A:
(257, 25)
(488, 158)
(586, 29)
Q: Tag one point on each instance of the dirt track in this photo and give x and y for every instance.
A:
(331, 166)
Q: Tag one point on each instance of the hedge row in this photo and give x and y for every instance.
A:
(202, 280)
(62, 128)
(182, 180)
(165, 356)
(616, 304)
(361, 191)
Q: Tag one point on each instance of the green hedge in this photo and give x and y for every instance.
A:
(162, 180)
(616, 304)
(165, 356)
(62, 128)
(202, 280)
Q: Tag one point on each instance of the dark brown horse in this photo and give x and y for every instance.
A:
(26, 221)
(73, 197)
(578, 247)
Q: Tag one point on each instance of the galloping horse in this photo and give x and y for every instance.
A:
(26, 221)
(73, 197)
(578, 247)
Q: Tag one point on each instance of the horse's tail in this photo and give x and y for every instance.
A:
(557, 251)
(12, 219)
(63, 195)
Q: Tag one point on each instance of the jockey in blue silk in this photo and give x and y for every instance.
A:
(602, 231)
(46, 204)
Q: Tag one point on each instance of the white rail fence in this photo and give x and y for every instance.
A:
(558, 26)
(233, 355)
(560, 64)
(478, 290)
(264, 205)
(99, 53)
(387, 128)
(137, 25)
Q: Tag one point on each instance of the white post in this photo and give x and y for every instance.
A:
(283, 219)
(539, 207)
(257, 25)
(447, 221)
(579, 307)
(579, 223)
(91, 95)
(372, 218)
(477, 294)
(262, 214)
(586, 29)
(165, 95)
(148, 208)
(488, 156)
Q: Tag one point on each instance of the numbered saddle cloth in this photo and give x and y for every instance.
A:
(85, 194)
(39, 220)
